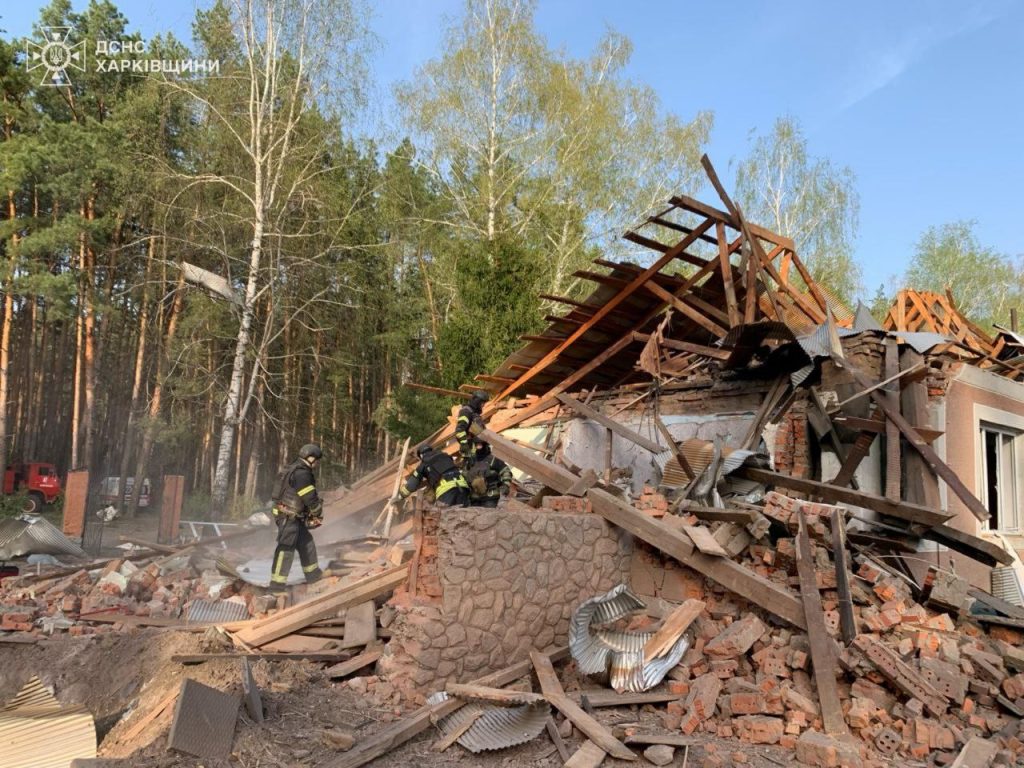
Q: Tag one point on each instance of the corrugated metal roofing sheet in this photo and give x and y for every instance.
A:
(620, 654)
(496, 727)
(36, 732)
(32, 534)
(204, 611)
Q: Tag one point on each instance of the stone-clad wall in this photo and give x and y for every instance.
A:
(510, 580)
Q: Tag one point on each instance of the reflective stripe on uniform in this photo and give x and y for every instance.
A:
(277, 576)
(310, 568)
(308, 489)
(446, 485)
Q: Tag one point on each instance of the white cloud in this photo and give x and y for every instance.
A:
(873, 69)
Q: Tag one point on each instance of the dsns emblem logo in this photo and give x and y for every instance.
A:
(55, 56)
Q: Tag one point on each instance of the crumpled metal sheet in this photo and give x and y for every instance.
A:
(204, 611)
(620, 654)
(863, 320)
(698, 453)
(496, 727)
(32, 534)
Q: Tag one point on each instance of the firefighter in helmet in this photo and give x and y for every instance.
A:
(438, 471)
(468, 413)
(297, 510)
(488, 476)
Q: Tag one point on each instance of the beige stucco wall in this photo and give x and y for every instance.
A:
(974, 395)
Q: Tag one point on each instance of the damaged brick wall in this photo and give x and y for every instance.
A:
(509, 581)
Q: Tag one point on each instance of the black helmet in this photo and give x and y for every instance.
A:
(476, 402)
(482, 446)
(423, 450)
(311, 451)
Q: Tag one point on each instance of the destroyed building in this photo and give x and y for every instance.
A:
(764, 519)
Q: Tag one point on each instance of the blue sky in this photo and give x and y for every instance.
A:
(923, 100)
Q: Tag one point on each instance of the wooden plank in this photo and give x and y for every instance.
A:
(893, 472)
(823, 650)
(619, 429)
(360, 624)
(847, 622)
(589, 755)
(199, 658)
(834, 494)
(353, 665)
(328, 604)
(443, 743)
(675, 543)
(606, 698)
(594, 730)
(301, 644)
(931, 458)
(498, 696)
(704, 541)
(161, 706)
(403, 730)
(613, 302)
(996, 604)
(675, 625)
(557, 740)
(979, 549)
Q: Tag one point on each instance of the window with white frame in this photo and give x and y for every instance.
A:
(1001, 451)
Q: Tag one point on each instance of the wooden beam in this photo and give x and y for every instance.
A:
(606, 698)
(329, 603)
(878, 425)
(555, 695)
(353, 665)
(620, 429)
(702, 320)
(676, 544)
(823, 650)
(696, 206)
(893, 471)
(686, 346)
(730, 291)
(847, 622)
(446, 741)
(931, 458)
(834, 494)
(871, 389)
(589, 755)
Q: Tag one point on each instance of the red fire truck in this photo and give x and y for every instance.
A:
(38, 478)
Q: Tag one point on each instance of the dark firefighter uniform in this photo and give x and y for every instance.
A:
(489, 477)
(468, 413)
(438, 471)
(297, 509)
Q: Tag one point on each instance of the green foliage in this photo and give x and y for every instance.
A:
(984, 282)
(880, 303)
(780, 186)
(13, 504)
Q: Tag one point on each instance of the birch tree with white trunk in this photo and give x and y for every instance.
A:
(290, 63)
